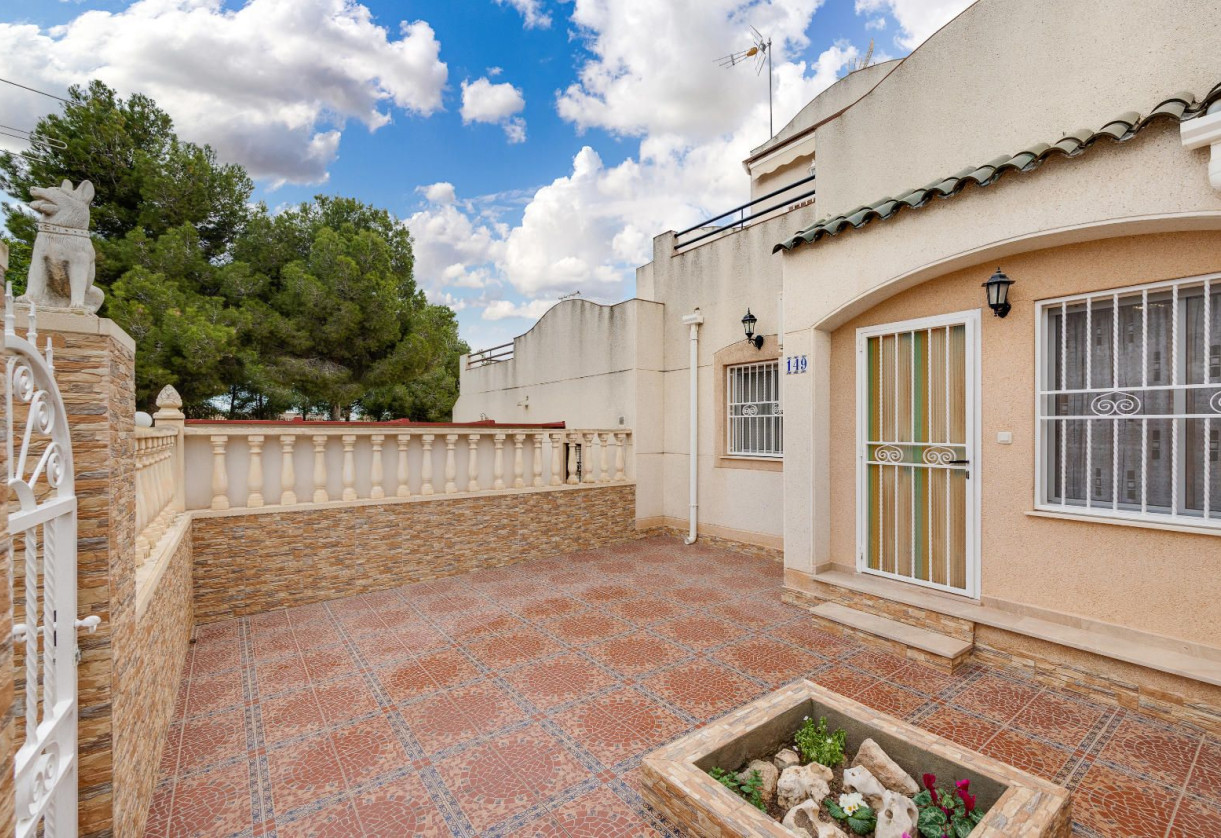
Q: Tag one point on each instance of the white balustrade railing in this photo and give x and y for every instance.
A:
(237, 465)
(159, 459)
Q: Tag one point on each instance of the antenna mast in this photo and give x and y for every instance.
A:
(762, 50)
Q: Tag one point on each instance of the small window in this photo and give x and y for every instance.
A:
(1130, 402)
(755, 426)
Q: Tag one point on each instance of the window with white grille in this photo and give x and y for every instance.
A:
(755, 427)
(1129, 402)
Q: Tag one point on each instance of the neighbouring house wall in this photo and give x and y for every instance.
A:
(1006, 74)
(249, 563)
(148, 677)
(1156, 581)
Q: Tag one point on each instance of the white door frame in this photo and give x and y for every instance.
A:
(970, 321)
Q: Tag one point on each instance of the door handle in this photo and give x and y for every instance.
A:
(959, 463)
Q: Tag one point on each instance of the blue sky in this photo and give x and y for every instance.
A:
(534, 147)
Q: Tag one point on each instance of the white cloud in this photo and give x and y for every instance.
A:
(452, 248)
(877, 23)
(531, 310)
(917, 19)
(483, 101)
(438, 193)
(531, 11)
(270, 85)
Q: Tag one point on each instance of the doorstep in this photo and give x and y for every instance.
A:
(941, 650)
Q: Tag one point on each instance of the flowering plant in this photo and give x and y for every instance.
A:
(816, 744)
(853, 812)
(851, 802)
(946, 813)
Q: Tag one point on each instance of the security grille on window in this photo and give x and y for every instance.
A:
(755, 427)
(1129, 402)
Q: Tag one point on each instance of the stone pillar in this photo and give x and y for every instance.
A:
(95, 370)
(169, 415)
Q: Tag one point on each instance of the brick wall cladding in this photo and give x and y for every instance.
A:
(246, 564)
(147, 686)
(8, 746)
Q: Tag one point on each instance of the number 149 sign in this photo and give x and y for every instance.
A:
(795, 364)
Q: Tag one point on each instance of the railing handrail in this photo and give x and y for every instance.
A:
(751, 203)
(237, 427)
(491, 355)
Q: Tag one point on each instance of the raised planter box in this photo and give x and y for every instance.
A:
(676, 781)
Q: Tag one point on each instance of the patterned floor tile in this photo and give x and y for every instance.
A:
(703, 688)
(367, 749)
(953, 724)
(1205, 779)
(210, 693)
(1058, 717)
(290, 715)
(755, 613)
(698, 631)
(337, 820)
(891, 699)
(324, 665)
(997, 697)
(216, 656)
(281, 675)
(344, 699)
(486, 790)
(399, 808)
(587, 627)
(556, 681)
(645, 609)
(448, 667)
(1196, 817)
(768, 660)
(405, 681)
(923, 678)
(600, 814)
(303, 772)
(1150, 748)
(877, 662)
(211, 739)
(1024, 752)
(210, 805)
(806, 635)
(1111, 805)
(437, 723)
(844, 680)
(637, 653)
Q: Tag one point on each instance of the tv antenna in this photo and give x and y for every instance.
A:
(761, 51)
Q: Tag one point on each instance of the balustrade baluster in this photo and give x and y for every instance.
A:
(574, 442)
(142, 546)
(288, 473)
(451, 467)
(220, 477)
(537, 464)
(320, 492)
(498, 462)
(604, 475)
(254, 496)
(588, 460)
(620, 458)
(519, 466)
(375, 469)
(426, 465)
(403, 475)
(349, 467)
(557, 459)
(472, 463)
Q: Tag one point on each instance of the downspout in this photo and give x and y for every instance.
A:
(694, 320)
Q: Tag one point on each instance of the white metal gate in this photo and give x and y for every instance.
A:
(41, 545)
(917, 436)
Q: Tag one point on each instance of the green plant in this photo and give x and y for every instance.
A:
(946, 813)
(861, 819)
(750, 789)
(816, 744)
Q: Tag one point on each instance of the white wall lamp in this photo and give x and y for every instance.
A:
(748, 323)
(1206, 131)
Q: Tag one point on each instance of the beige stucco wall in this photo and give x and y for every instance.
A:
(1151, 580)
(1009, 73)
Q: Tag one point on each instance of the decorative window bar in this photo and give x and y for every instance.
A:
(1129, 402)
(756, 425)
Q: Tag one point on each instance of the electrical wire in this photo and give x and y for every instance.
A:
(34, 90)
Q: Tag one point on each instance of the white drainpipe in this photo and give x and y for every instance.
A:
(694, 320)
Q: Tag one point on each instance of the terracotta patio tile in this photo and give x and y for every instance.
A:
(1021, 751)
(645, 609)
(553, 606)
(448, 667)
(158, 823)
(1115, 805)
(406, 680)
(221, 656)
(168, 766)
(586, 627)
(360, 623)
(224, 630)
(315, 635)
(880, 663)
(843, 680)
(281, 675)
(1196, 817)
(437, 724)
(324, 665)
(1058, 717)
(803, 633)
(273, 645)
(768, 660)
(484, 788)
(303, 772)
(544, 826)
(344, 699)
(703, 688)
(367, 749)
(337, 820)
(636, 654)
(996, 697)
(892, 699)
(699, 631)
(917, 676)
(538, 756)
(608, 593)
(499, 651)
(1205, 779)
(216, 803)
(268, 620)
(211, 739)
(463, 627)
(486, 704)
(290, 715)
(1150, 748)
(558, 680)
(454, 603)
(600, 814)
(418, 639)
(399, 808)
(209, 693)
(957, 726)
(756, 613)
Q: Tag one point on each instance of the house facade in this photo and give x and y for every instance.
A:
(1043, 487)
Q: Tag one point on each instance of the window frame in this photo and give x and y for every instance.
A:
(727, 412)
(1046, 389)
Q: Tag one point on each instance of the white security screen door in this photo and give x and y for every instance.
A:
(917, 481)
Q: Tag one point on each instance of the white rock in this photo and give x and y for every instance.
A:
(885, 769)
(859, 779)
(786, 758)
(897, 814)
(801, 783)
(803, 820)
(768, 772)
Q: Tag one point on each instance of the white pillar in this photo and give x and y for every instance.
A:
(426, 465)
(588, 460)
(573, 441)
(349, 467)
(694, 320)
(620, 457)
(375, 468)
(451, 466)
(403, 475)
(220, 477)
(518, 462)
(320, 493)
(254, 496)
(537, 464)
(288, 471)
(557, 459)
(472, 463)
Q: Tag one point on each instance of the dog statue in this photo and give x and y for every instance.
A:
(63, 262)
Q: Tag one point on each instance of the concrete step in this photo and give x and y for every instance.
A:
(921, 644)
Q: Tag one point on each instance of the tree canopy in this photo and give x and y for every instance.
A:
(247, 312)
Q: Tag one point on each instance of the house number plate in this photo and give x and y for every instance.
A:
(796, 364)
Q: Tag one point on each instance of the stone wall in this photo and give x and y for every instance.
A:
(249, 563)
(148, 675)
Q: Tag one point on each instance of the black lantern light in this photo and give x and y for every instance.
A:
(748, 323)
(997, 287)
